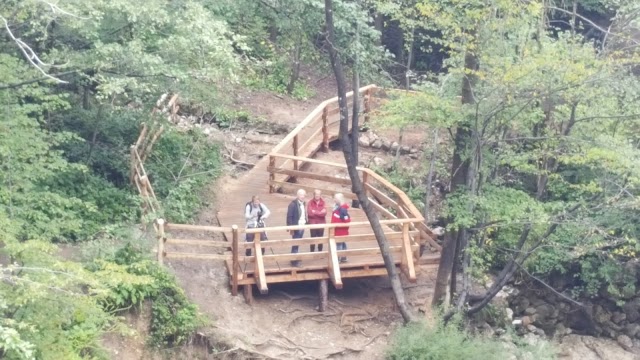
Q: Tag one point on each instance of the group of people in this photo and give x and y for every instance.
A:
(300, 213)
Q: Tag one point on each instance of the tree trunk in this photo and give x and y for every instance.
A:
(434, 154)
(446, 279)
(295, 66)
(407, 71)
(357, 187)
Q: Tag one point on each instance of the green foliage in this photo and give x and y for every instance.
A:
(440, 341)
(173, 317)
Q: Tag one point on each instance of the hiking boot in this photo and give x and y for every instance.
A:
(295, 263)
(343, 259)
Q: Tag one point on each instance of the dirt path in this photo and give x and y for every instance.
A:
(284, 324)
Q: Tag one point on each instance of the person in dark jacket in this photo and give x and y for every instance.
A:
(317, 214)
(297, 215)
(341, 215)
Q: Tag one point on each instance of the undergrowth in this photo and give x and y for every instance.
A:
(440, 341)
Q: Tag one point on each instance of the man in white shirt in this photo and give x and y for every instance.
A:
(297, 215)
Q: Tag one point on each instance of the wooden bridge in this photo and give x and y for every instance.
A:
(275, 178)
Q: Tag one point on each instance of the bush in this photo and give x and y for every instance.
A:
(450, 342)
(173, 318)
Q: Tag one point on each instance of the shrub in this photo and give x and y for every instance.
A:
(441, 341)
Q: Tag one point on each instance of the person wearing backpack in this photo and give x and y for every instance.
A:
(255, 213)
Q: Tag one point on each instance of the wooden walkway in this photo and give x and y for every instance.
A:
(275, 179)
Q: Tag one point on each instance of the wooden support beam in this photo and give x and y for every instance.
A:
(310, 189)
(384, 198)
(248, 294)
(161, 239)
(235, 266)
(382, 210)
(171, 226)
(310, 175)
(325, 130)
(180, 255)
(195, 242)
(261, 279)
(323, 290)
(272, 176)
(407, 254)
(334, 265)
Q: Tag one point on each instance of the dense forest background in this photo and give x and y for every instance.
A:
(538, 99)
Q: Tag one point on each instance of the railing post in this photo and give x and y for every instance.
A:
(406, 259)
(295, 153)
(235, 247)
(259, 271)
(367, 105)
(145, 196)
(161, 240)
(365, 179)
(334, 264)
(272, 174)
(325, 130)
(132, 170)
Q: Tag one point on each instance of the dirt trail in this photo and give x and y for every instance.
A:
(284, 324)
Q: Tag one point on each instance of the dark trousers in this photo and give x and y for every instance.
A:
(250, 237)
(297, 234)
(316, 233)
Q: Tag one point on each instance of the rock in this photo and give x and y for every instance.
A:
(632, 330)
(531, 328)
(521, 305)
(540, 332)
(509, 314)
(376, 144)
(487, 330)
(405, 150)
(526, 321)
(438, 230)
(413, 156)
(632, 310)
(379, 162)
(625, 342)
(600, 315)
(386, 145)
(545, 311)
(560, 330)
(530, 311)
(618, 317)
(364, 141)
(394, 146)
(575, 347)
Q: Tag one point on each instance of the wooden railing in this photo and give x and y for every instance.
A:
(290, 160)
(138, 175)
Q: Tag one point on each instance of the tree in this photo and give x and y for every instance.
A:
(348, 150)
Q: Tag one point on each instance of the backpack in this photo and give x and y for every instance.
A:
(260, 212)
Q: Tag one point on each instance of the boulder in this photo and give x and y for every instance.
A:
(394, 146)
(521, 305)
(413, 156)
(376, 144)
(600, 315)
(386, 145)
(405, 150)
(364, 140)
(530, 310)
(509, 314)
(379, 162)
(413, 150)
(625, 342)
(632, 310)
(632, 330)
(618, 317)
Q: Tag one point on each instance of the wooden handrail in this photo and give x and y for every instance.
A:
(315, 113)
(171, 226)
(328, 225)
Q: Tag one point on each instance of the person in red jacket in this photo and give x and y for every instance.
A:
(341, 215)
(317, 214)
